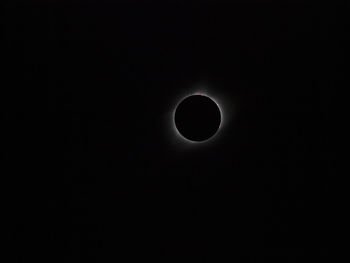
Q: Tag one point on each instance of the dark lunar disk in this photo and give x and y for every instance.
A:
(197, 118)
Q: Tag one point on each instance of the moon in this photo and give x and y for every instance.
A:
(197, 118)
(176, 137)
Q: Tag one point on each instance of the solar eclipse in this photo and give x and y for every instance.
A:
(197, 118)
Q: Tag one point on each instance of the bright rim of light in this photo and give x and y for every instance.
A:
(216, 100)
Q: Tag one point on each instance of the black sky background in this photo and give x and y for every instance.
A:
(92, 176)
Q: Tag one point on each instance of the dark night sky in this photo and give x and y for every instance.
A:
(93, 176)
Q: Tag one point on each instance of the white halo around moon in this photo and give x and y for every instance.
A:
(221, 101)
(173, 118)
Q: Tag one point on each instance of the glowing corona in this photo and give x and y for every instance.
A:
(224, 107)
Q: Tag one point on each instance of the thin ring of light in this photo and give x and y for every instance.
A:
(180, 135)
